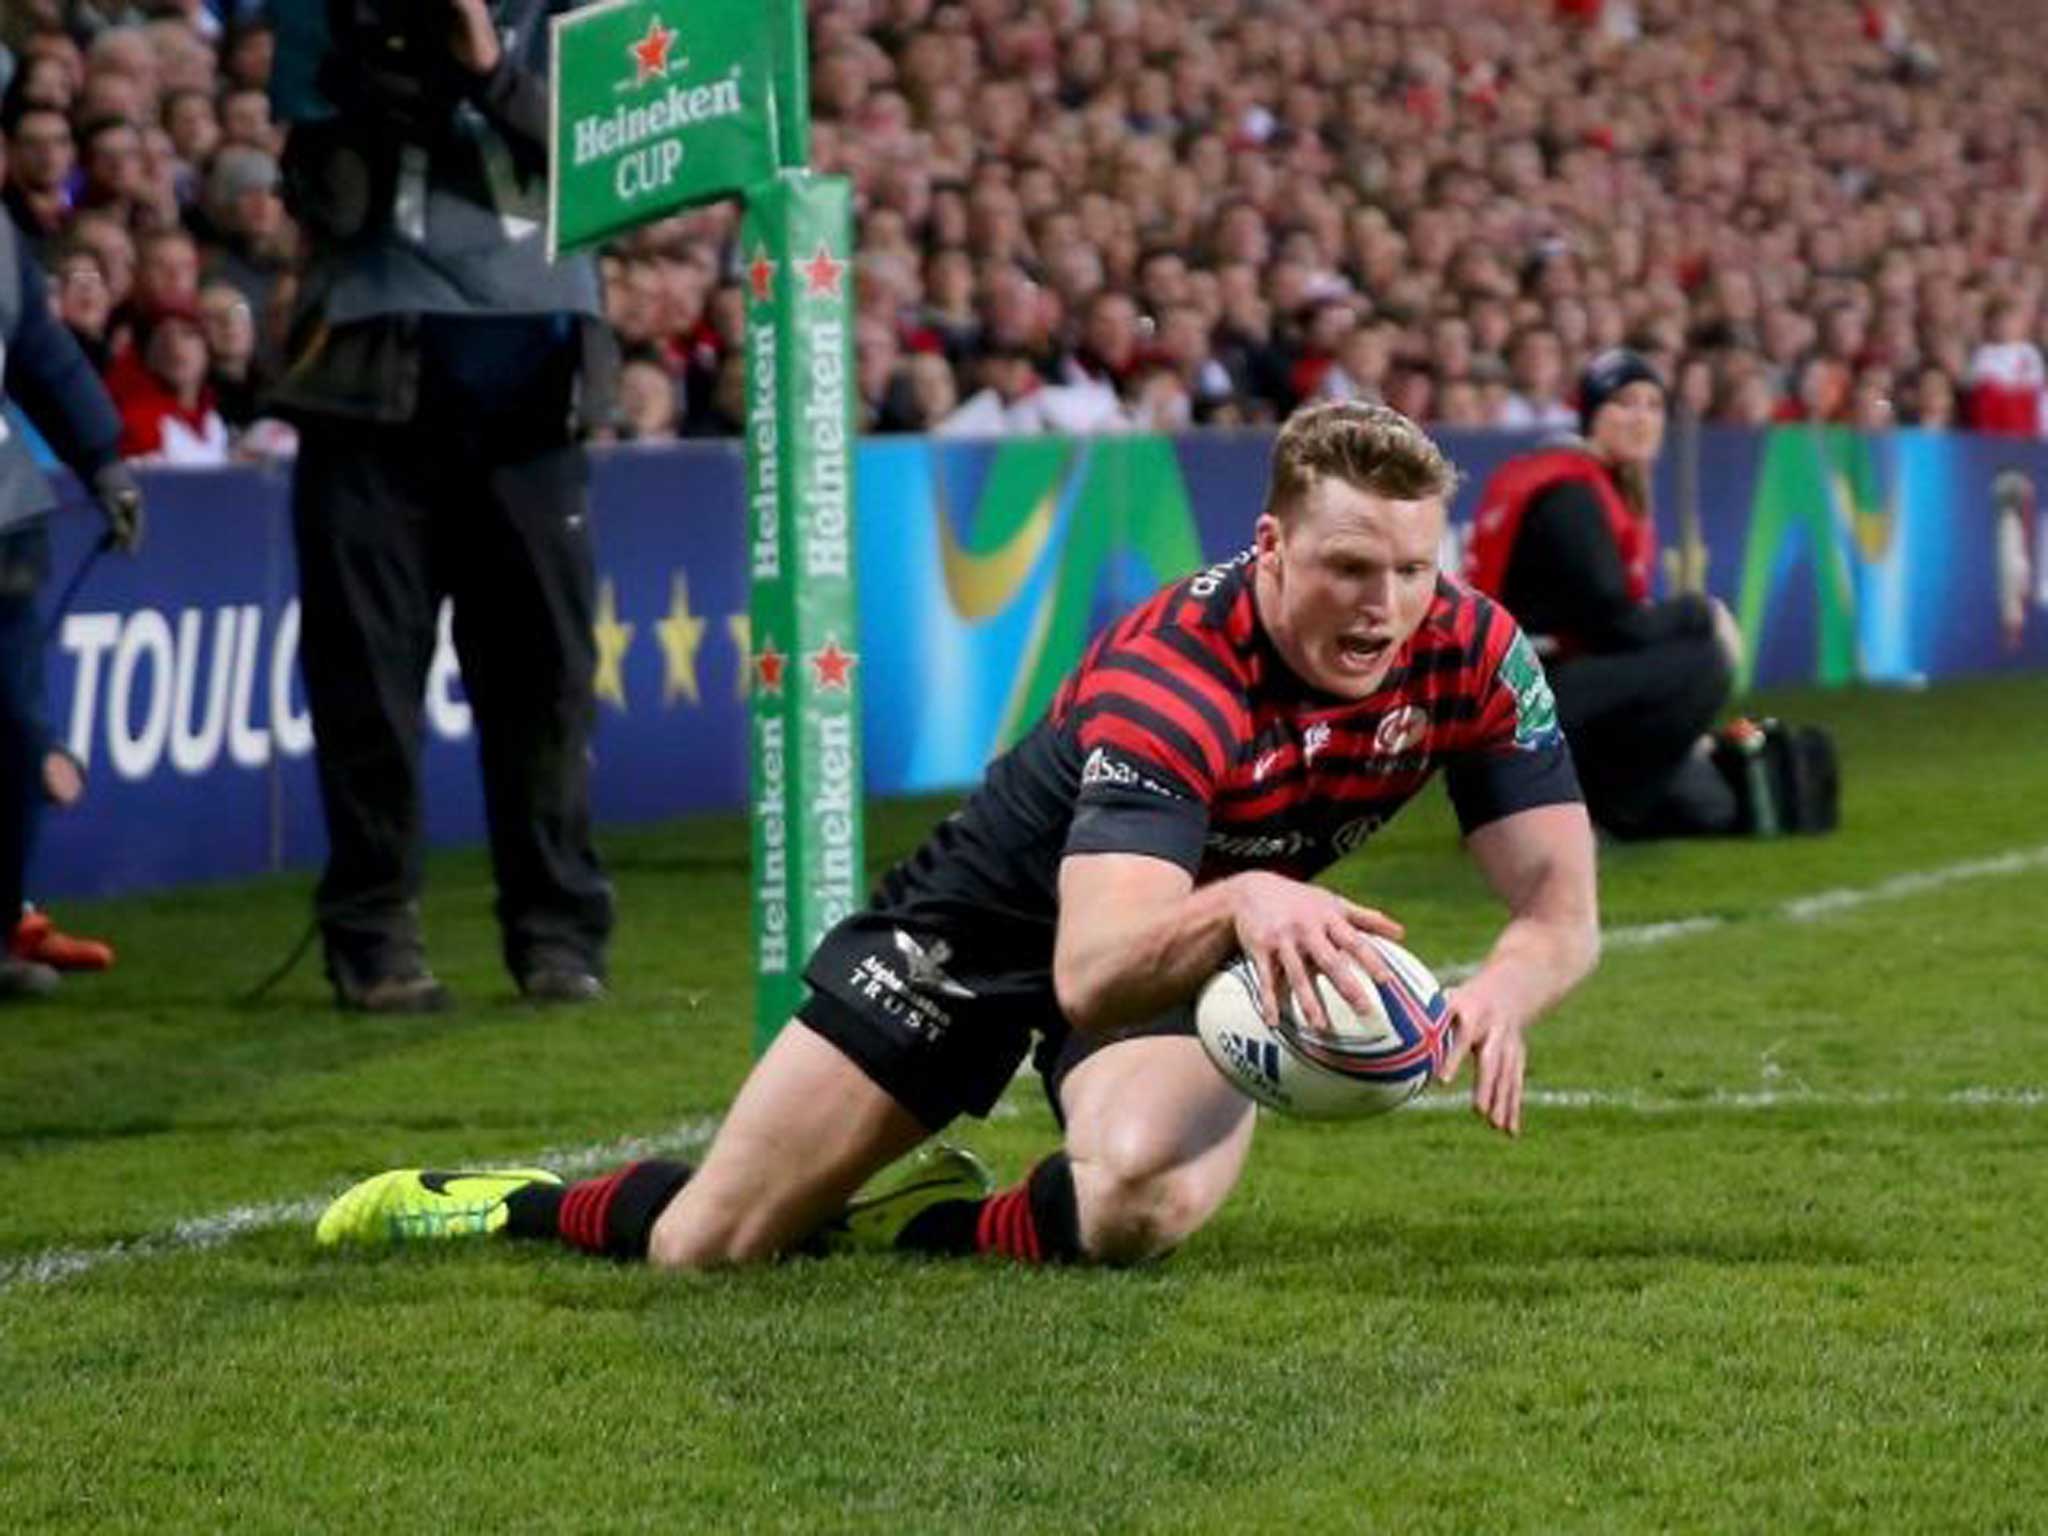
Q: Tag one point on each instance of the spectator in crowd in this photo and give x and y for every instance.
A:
(166, 271)
(1069, 179)
(1015, 400)
(647, 401)
(2006, 376)
(40, 162)
(1536, 402)
(168, 413)
(253, 243)
(930, 391)
(1932, 405)
(116, 183)
(1566, 540)
(112, 247)
(720, 409)
(85, 303)
(232, 373)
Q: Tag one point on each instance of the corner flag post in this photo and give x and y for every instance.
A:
(658, 105)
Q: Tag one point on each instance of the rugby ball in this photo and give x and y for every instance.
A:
(1366, 1065)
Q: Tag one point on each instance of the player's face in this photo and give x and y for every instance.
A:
(1630, 427)
(1344, 582)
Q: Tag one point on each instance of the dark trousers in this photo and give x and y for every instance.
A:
(389, 521)
(1633, 721)
(24, 563)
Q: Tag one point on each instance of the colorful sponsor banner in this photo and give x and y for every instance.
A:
(980, 569)
(659, 104)
(806, 798)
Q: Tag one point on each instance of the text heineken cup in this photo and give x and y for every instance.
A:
(806, 797)
(659, 104)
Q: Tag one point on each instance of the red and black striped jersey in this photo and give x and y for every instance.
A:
(1184, 736)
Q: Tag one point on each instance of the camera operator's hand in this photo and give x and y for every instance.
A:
(1727, 633)
(120, 499)
(473, 36)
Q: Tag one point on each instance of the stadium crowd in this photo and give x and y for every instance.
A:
(1103, 214)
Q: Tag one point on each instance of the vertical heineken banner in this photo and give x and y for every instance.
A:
(805, 722)
(659, 104)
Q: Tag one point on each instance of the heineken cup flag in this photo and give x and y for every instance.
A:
(805, 720)
(659, 104)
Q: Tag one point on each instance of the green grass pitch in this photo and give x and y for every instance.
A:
(1772, 1255)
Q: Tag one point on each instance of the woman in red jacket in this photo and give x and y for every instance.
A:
(1566, 540)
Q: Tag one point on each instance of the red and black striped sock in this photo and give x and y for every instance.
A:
(613, 1215)
(1035, 1222)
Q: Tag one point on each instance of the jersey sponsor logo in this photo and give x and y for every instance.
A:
(1314, 739)
(1354, 832)
(927, 965)
(1205, 585)
(1401, 730)
(1259, 845)
(1535, 705)
(1101, 768)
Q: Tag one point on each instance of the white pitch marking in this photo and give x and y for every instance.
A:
(1805, 909)
(55, 1265)
(203, 1232)
(1755, 1101)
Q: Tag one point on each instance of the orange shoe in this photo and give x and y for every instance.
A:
(37, 938)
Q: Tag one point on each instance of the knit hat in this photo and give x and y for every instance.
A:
(1607, 376)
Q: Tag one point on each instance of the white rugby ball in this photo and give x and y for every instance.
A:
(1366, 1065)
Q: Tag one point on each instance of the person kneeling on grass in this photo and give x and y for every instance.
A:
(1214, 749)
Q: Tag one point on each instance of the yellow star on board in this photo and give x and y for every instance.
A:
(741, 627)
(680, 635)
(613, 641)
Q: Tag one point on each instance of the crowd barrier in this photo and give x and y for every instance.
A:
(982, 569)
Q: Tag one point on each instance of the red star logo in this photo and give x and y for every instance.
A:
(834, 666)
(768, 667)
(650, 54)
(822, 274)
(761, 275)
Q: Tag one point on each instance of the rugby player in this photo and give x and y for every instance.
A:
(1241, 731)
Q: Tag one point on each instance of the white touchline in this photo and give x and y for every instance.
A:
(201, 1232)
(1752, 1102)
(1805, 909)
(54, 1265)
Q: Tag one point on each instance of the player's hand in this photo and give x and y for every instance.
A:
(1291, 931)
(1491, 1033)
(473, 36)
(120, 501)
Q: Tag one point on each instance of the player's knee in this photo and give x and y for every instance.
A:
(1138, 1201)
(689, 1237)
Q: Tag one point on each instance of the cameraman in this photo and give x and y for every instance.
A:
(440, 371)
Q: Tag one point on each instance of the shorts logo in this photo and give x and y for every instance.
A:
(1401, 730)
(927, 966)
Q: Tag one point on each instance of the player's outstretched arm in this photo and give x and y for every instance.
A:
(1137, 936)
(1541, 864)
